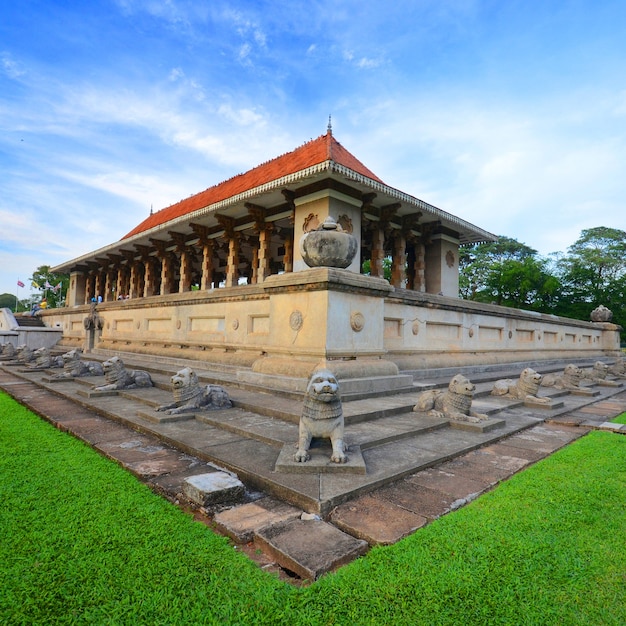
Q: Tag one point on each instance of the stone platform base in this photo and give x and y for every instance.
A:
(320, 462)
(157, 417)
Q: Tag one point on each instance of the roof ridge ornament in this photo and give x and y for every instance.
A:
(329, 128)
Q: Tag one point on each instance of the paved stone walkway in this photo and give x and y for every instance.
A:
(306, 545)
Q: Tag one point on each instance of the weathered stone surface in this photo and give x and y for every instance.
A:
(376, 520)
(243, 522)
(310, 548)
(319, 461)
(213, 488)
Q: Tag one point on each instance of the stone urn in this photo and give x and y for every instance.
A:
(328, 246)
(601, 314)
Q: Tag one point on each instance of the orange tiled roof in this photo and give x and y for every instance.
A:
(324, 148)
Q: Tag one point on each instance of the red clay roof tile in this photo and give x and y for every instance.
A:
(324, 148)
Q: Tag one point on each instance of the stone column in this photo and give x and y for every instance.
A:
(133, 290)
(108, 285)
(184, 283)
(166, 273)
(119, 283)
(207, 265)
(148, 274)
(378, 252)
(288, 256)
(419, 282)
(232, 264)
(398, 266)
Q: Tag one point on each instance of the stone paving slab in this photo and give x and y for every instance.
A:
(424, 501)
(376, 520)
(310, 548)
(243, 522)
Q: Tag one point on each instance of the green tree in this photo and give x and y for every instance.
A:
(593, 272)
(509, 273)
(53, 287)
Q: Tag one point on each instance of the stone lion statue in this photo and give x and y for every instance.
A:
(569, 379)
(118, 377)
(527, 385)
(598, 375)
(44, 360)
(455, 403)
(190, 396)
(24, 354)
(75, 367)
(618, 369)
(322, 416)
(8, 350)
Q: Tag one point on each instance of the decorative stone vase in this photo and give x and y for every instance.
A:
(328, 246)
(601, 314)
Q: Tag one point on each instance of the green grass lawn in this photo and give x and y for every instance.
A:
(83, 542)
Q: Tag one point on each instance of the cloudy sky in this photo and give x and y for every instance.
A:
(508, 113)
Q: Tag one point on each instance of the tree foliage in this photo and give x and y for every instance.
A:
(52, 287)
(572, 284)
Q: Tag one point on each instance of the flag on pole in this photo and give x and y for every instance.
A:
(35, 285)
(48, 285)
(57, 288)
(20, 284)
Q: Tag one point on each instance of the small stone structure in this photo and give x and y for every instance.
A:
(75, 367)
(527, 386)
(118, 377)
(190, 396)
(322, 416)
(455, 403)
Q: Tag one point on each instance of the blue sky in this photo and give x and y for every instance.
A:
(510, 114)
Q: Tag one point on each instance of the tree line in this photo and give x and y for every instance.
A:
(570, 284)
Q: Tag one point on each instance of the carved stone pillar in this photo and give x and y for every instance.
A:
(90, 288)
(232, 264)
(108, 285)
(149, 277)
(378, 252)
(167, 269)
(207, 265)
(419, 283)
(184, 283)
(398, 264)
(133, 290)
(120, 282)
(288, 257)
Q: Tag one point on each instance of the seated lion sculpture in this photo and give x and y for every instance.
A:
(322, 416)
(8, 350)
(618, 369)
(598, 375)
(75, 367)
(44, 360)
(118, 377)
(24, 354)
(569, 379)
(190, 396)
(454, 403)
(527, 385)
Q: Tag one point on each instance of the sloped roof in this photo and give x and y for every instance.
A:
(324, 148)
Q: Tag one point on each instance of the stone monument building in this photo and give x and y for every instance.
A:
(220, 277)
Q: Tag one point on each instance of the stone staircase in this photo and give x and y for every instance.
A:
(255, 439)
